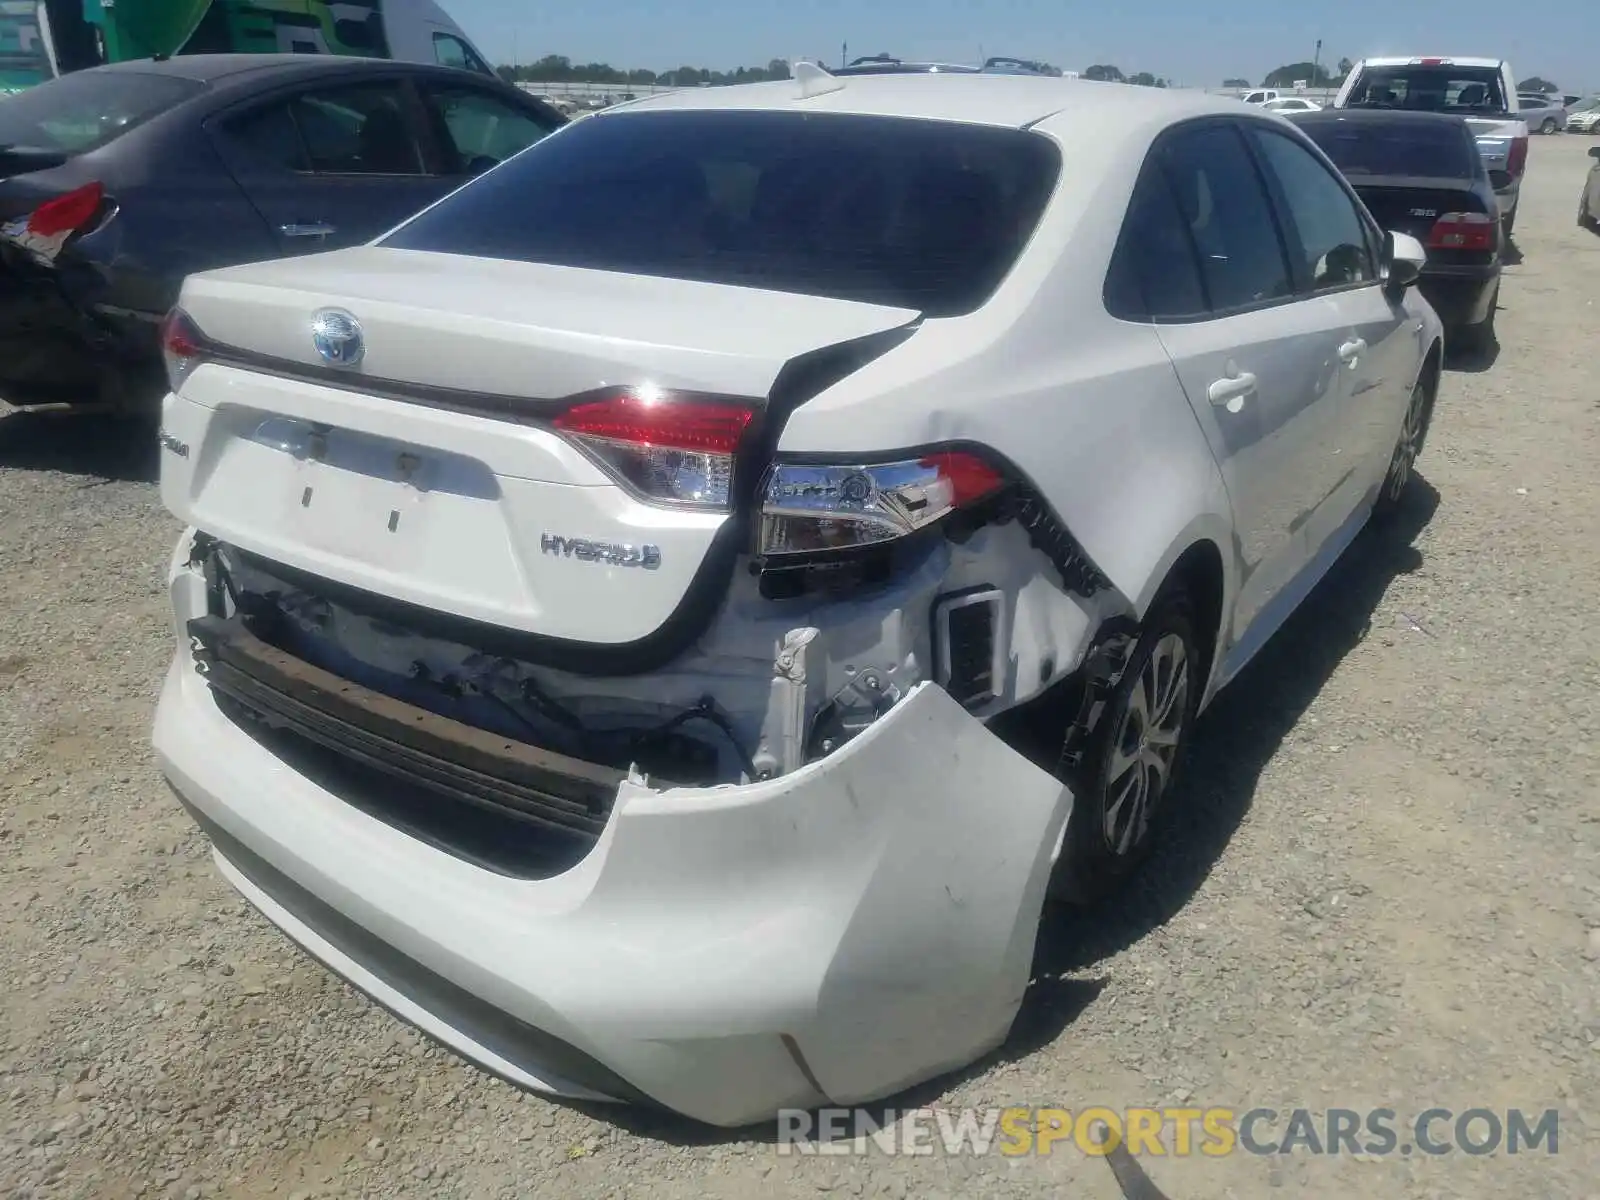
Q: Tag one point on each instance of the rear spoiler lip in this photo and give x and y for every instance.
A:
(1437, 183)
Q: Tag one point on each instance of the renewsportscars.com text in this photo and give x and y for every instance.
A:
(1162, 1132)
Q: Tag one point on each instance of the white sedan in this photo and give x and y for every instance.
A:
(610, 602)
(1292, 104)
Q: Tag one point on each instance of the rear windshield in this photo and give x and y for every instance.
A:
(1423, 148)
(1467, 91)
(87, 109)
(919, 214)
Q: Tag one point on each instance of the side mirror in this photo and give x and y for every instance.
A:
(1594, 151)
(1403, 260)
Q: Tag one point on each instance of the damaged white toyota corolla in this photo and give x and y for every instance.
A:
(663, 618)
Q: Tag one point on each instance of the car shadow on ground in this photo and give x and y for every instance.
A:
(1511, 256)
(1233, 744)
(1464, 361)
(102, 449)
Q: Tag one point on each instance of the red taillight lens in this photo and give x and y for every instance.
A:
(1462, 231)
(182, 345)
(1517, 157)
(67, 214)
(812, 507)
(674, 448)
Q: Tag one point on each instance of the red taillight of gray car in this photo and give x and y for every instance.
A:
(1517, 157)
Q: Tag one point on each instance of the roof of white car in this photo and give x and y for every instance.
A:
(1006, 100)
(1406, 60)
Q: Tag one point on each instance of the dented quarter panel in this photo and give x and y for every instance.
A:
(1134, 478)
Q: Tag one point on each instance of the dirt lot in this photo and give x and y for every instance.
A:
(1384, 889)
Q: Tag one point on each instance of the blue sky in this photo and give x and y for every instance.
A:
(1193, 41)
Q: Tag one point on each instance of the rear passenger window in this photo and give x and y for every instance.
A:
(1328, 234)
(358, 131)
(269, 138)
(1220, 197)
(1154, 274)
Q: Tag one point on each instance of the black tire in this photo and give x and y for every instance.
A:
(1408, 447)
(1106, 839)
(1509, 223)
(1549, 126)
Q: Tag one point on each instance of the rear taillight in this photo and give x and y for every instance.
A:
(1517, 157)
(182, 345)
(821, 509)
(1462, 231)
(67, 214)
(672, 448)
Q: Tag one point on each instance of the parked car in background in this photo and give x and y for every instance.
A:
(1261, 96)
(1589, 201)
(118, 181)
(1421, 173)
(1291, 104)
(617, 608)
(1002, 65)
(1584, 117)
(1543, 114)
(1482, 91)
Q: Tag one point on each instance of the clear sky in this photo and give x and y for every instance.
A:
(1195, 42)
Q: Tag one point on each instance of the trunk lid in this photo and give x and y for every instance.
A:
(429, 472)
(1411, 204)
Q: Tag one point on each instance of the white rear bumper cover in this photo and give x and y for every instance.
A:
(835, 935)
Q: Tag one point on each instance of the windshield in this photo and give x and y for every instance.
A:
(918, 214)
(1468, 91)
(1419, 148)
(87, 109)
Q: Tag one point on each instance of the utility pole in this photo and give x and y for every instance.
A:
(1316, 60)
(844, 54)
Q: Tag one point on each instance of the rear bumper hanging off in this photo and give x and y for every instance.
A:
(832, 935)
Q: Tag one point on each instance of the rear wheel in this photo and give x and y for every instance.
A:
(1134, 757)
(1549, 125)
(1509, 222)
(1402, 464)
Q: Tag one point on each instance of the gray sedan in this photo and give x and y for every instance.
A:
(1543, 114)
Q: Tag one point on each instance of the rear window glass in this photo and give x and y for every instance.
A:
(1464, 90)
(87, 109)
(1435, 150)
(920, 214)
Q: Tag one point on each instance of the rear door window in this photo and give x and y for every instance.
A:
(921, 214)
(1325, 229)
(478, 128)
(86, 110)
(1223, 202)
(360, 130)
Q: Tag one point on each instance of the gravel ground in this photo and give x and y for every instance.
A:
(1384, 889)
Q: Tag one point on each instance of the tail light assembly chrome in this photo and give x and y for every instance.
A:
(1462, 231)
(668, 448)
(836, 526)
(821, 508)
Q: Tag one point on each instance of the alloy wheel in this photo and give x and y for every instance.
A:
(1146, 743)
(1409, 445)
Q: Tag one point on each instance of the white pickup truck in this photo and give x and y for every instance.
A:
(1481, 90)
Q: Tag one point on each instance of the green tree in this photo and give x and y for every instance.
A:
(1105, 73)
(1536, 84)
(1235, 83)
(1286, 76)
(1345, 67)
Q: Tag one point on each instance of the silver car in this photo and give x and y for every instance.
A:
(1543, 114)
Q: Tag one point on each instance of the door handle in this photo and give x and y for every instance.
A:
(1229, 393)
(312, 229)
(1351, 351)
